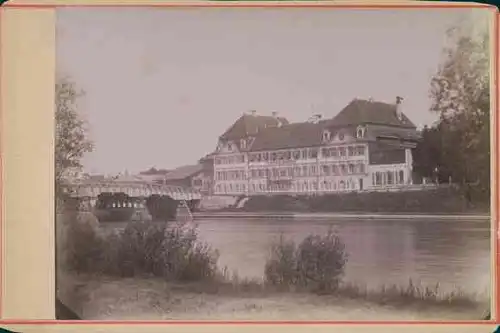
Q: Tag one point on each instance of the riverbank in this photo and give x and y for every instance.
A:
(432, 201)
(151, 271)
(336, 216)
(148, 298)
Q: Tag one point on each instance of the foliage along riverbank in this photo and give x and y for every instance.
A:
(173, 264)
(447, 200)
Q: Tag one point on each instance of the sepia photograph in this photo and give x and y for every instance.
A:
(260, 164)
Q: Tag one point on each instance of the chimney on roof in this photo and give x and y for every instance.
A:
(253, 112)
(399, 113)
(275, 116)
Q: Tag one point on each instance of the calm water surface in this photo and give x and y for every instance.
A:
(455, 254)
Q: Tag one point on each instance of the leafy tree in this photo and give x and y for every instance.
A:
(426, 156)
(71, 135)
(460, 91)
(71, 143)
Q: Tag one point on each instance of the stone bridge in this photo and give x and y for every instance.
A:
(89, 190)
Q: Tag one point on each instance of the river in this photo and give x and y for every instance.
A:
(455, 254)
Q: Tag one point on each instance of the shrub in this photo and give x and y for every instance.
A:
(321, 261)
(142, 248)
(137, 250)
(79, 246)
(316, 264)
(184, 258)
(281, 268)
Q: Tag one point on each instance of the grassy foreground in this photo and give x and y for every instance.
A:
(150, 298)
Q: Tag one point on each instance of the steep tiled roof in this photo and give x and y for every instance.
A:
(206, 158)
(289, 136)
(184, 172)
(380, 119)
(251, 125)
(391, 133)
(370, 112)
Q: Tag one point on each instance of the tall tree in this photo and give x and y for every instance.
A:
(460, 91)
(427, 161)
(71, 143)
(71, 134)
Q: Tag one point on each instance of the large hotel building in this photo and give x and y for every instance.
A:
(366, 147)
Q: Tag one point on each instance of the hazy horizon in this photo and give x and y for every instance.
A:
(162, 84)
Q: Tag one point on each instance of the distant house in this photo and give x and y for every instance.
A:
(197, 176)
(154, 175)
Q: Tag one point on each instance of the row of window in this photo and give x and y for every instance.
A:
(230, 175)
(230, 188)
(304, 154)
(290, 155)
(388, 178)
(360, 133)
(305, 186)
(343, 151)
(287, 172)
(197, 182)
(308, 153)
(236, 159)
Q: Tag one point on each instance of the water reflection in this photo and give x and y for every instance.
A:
(380, 252)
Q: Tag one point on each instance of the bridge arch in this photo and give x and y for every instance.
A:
(133, 195)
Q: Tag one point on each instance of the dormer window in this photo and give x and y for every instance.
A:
(326, 136)
(229, 146)
(219, 146)
(360, 132)
(341, 136)
(243, 144)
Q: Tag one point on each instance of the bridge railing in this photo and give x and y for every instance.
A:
(135, 189)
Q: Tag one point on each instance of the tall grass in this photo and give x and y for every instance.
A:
(408, 294)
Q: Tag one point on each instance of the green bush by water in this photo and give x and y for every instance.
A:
(316, 264)
(142, 248)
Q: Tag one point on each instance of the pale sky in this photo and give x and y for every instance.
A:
(162, 84)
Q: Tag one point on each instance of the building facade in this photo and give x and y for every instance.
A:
(367, 146)
(198, 177)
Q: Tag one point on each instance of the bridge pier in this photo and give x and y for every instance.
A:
(92, 202)
(141, 211)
